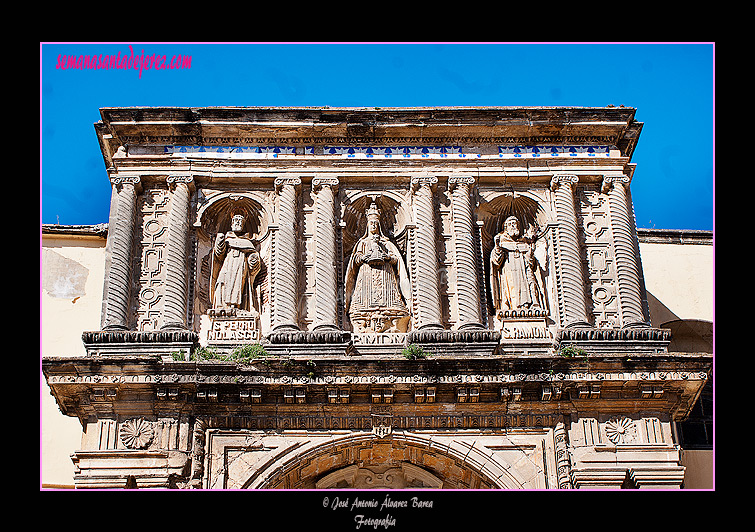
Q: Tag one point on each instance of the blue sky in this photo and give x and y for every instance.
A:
(670, 85)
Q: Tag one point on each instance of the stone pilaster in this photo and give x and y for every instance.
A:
(121, 235)
(326, 306)
(467, 285)
(427, 309)
(286, 264)
(628, 270)
(176, 264)
(574, 305)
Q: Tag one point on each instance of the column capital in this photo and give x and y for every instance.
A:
(609, 181)
(455, 180)
(119, 181)
(563, 179)
(424, 180)
(325, 181)
(283, 181)
(173, 180)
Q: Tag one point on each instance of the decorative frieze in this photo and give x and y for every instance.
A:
(387, 152)
(355, 378)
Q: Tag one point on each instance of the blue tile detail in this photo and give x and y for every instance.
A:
(553, 151)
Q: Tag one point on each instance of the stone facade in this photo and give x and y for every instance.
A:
(327, 297)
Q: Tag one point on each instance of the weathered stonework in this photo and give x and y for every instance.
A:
(446, 298)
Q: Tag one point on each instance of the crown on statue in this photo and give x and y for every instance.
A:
(373, 213)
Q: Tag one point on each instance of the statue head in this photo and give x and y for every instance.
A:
(511, 226)
(373, 219)
(237, 222)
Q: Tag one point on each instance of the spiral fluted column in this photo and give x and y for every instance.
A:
(176, 266)
(467, 286)
(427, 306)
(570, 264)
(121, 234)
(326, 311)
(285, 288)
(627, 264)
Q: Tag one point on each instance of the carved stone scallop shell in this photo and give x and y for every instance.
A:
(136, 433)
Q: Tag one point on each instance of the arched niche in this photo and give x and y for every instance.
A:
(213, 216)
(534, 221)
(395, 215)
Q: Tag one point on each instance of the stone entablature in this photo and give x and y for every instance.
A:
(499, 241)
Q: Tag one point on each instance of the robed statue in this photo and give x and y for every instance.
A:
(235, 265)
(515, 282)
(377, 284)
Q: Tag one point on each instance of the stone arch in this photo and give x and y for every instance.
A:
(403, 459)
(215, 214)
(527, 208)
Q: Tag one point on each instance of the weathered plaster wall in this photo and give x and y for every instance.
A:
(679, 281)
(71, 280)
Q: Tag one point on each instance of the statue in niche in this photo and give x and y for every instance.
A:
(514, 270)
(377, 284)
(235, 265)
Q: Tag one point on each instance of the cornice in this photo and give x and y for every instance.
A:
(376, 126)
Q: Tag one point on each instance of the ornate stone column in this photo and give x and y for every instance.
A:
(467, 286)
(176, 266)
(570, 262)
(427, 311)
(121, 234)
(562, 456)
(627, 264)
(285, 289)
(326, 307)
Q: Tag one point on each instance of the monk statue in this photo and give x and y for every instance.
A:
(514, 281)
(377, 285)
(236, 263)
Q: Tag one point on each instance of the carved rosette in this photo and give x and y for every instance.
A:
(620, 430)
(136, 433)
